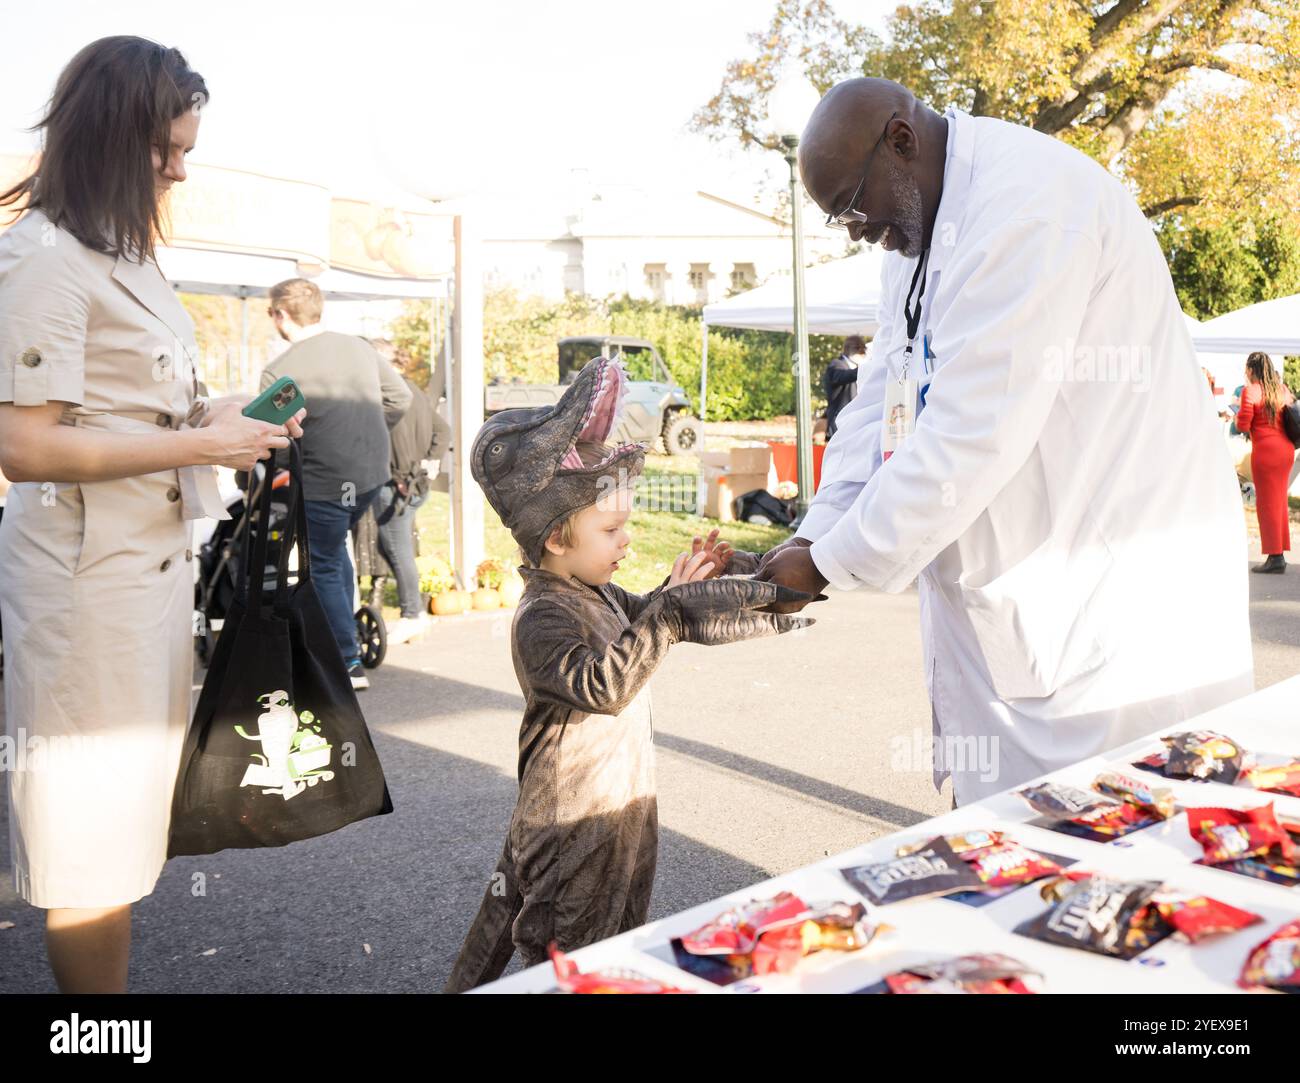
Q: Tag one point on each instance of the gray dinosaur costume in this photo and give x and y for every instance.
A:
(579, 859)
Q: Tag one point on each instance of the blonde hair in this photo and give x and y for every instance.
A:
(565, 534)
(298, 299)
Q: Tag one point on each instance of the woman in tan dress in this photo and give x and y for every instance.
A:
(110, 449)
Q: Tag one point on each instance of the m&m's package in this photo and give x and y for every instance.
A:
(1275, 963)
(932, 869)
(965, 974)
(1228, 834)
(1153, 800)
(1198, 754)
(1282, 778)
(1102, 915)
(771, 936)
(569, 979)
(1124, 918)
(1087, 814)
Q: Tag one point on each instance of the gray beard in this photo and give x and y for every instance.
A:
(909, 213)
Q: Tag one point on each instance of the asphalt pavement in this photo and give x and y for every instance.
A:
(770, 754)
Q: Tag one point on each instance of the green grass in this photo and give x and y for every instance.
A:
(657, 536)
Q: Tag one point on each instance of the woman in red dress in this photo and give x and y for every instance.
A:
(1271, 457)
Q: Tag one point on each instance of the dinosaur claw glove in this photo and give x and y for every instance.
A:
(715, 611)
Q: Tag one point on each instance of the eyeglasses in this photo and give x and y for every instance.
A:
(851, 215)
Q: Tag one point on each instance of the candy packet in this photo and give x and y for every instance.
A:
(569, 979)
(966, 974)
(1274, 963)
(934, 869)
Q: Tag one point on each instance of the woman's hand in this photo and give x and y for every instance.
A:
(690, 568)
(294, 424)
(718, 553)
(233, 440)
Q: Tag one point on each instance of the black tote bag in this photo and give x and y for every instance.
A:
(278, 750)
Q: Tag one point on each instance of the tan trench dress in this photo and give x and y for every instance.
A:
(96, 580)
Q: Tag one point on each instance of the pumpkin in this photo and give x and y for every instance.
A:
(487, 598)
(445, 604)
(511, 590)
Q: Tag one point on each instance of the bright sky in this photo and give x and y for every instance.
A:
(505, 95)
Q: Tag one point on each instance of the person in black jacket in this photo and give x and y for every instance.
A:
(840, 381)
(413, 440)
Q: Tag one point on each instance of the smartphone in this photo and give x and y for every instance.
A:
(277, 403)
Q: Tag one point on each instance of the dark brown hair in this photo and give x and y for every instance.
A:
(112, 104)
(1272, 397)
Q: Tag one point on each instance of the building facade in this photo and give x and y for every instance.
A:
(688, 248)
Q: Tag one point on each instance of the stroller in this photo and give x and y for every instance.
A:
(220, 565)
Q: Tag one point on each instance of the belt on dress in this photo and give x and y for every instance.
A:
(200, 497)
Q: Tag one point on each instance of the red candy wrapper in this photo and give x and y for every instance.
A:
(570, 979)
(1232, 834)
(1275, 964)
(1285, 778)
(770, 936)
(1010, 863)
(736, 931)
(965, 974)
(1201, 917)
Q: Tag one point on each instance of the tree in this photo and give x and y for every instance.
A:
(1113, 77)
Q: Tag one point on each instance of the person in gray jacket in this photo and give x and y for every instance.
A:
(355, 398)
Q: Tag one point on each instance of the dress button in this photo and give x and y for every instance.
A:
(173, 494)
(165, 564)
(165, 420)
(31, 357)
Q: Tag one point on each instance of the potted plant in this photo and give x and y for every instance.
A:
(489, 574)
(437, 580)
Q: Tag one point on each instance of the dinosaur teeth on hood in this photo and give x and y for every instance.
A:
(604, 406)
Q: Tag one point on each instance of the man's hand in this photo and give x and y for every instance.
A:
(789, 543)
(718, 553)
(791, 565)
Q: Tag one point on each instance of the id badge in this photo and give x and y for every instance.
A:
(900, 415)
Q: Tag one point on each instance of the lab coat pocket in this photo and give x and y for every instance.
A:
(1035, 623)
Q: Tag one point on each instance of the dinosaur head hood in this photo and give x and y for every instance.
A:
(537, 466)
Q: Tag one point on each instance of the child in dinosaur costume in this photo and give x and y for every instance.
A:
(579, 858)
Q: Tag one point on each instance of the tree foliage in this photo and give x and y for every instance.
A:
(1113, 77)
(750, 373)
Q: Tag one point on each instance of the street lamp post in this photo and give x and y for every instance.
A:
(802, 370)
(792, 101)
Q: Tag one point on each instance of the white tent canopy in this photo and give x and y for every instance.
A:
(1272, 326)
(239, 274)
(841, 300)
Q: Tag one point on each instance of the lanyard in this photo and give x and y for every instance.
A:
(913, 316)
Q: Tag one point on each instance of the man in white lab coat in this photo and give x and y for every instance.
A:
(1052, 474)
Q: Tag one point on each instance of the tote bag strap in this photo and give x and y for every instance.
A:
(295, 534)
(257, 501)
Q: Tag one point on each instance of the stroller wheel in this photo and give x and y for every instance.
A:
(372, 635)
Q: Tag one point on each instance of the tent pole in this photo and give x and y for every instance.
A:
(467, 401)
(704, 367)
(243, 342)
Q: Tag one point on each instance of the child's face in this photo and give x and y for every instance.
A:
(600, 540)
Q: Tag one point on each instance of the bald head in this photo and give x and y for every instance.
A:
(873, 139)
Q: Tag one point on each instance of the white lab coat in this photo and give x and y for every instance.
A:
(1064, 502)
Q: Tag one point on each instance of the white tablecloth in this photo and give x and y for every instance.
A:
(1267, 722)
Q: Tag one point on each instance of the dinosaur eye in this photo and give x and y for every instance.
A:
(498, 448)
